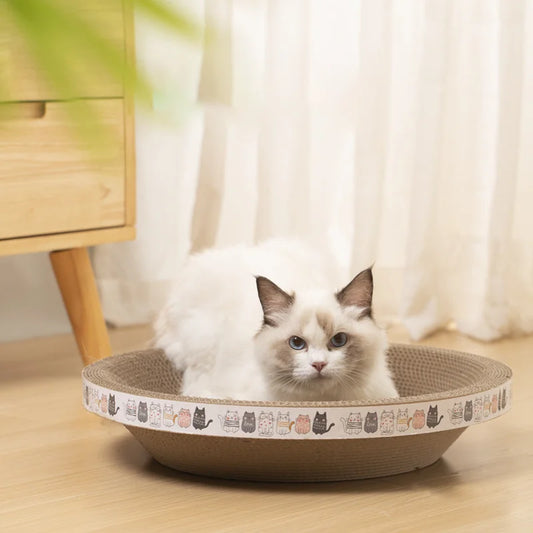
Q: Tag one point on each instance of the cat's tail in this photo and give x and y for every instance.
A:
(291, 424)
(207, 425)
(330, 426)
(409, 421)
(440, 419)
(174, 418)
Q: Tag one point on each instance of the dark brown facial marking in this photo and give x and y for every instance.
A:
(284, 354)
(326, 323)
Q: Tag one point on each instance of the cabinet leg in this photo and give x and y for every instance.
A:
(75, 278)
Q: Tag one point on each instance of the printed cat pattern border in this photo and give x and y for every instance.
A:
(247, 421)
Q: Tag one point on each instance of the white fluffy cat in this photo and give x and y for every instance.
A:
(236, 334)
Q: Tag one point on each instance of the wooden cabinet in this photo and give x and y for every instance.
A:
(55, 194)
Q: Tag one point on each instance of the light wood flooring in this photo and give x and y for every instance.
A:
(63, 469)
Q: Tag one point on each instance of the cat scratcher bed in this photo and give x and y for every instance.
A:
(442, 393)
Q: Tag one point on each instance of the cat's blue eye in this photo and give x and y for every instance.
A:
(339, 340)
(297, 343)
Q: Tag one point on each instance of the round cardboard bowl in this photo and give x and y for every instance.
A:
(442, 393)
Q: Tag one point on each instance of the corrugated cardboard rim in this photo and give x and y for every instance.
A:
(494, 377)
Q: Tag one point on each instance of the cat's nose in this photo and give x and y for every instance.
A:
(319, 365)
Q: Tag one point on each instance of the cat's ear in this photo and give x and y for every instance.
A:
(359, 293)
(274, 300)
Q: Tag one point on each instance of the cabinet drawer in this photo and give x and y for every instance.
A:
(19, 68)
(49, 183)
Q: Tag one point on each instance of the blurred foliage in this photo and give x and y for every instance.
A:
(64, 41)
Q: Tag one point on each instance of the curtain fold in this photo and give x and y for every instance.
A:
(393, 132)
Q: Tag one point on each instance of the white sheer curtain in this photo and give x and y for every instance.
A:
(395, 132)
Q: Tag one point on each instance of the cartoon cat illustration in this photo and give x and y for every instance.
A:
(303, 424)
(103, 403)
(386, 424)
(111, 405)
(419, 419)
(283, 423)
(353, 424)
(155, 414)
(230, 422)
(478, 409)
(248, 422)
(456, 413)
(266, 424)
(198, 419)
(494, 404)
(320, 424)
(469, 411)
(168, 415)
(131, 410)
(486, 405)
(142, 412)
(402, 420)
(184, 418)
(433, 419)
(504, 398)
(371, 422)
(93, 400)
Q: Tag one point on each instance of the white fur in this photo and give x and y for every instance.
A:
(209, 327)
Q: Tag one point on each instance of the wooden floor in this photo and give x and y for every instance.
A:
(62, 469)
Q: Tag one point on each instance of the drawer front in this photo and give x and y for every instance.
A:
(21, 71)
(50, 183)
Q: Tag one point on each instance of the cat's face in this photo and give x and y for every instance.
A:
(232, 416)
(354, 418)
(432, 411)
(284, 417)
(316, 342)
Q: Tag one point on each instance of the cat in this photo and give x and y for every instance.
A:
(233, 335)
(184, 418)
(433, 419)
(303, 424)
(353, 424)
(478, 409)
(155, 415)
(230, 422)
(111, 405)
(456, 413)
(248, 422)
(419, 419)
(386, 424)
(494, 404)
(198, 419)
(131, 410)
(469, 411)
(402, 420)
(320, 424)
(168, 415)
(486, 405)
(371, 422)
(142, 412)
(103, 403)
(266, 424)
(284, 424)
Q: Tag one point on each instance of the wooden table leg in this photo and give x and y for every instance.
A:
(75, 278)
